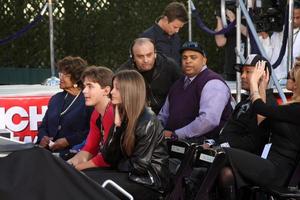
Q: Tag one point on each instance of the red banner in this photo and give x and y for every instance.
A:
(22, 115)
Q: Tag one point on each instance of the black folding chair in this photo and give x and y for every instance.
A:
(180, 165)
(290, 192)
(208, 172)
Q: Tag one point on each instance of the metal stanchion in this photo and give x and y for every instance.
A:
(290, 37)
(190, 19)
(52, 81)
(238, 48)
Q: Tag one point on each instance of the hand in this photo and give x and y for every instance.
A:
(45, 142)
(219, 23)
(230, 15)
(59, 144)
(264, 35)
(85, 165)
(168, 134)
(264, 81)
(218, 18)
(258, 72)
(80, 157)
(205, 146)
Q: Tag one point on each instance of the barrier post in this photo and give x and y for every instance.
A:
(52, 81)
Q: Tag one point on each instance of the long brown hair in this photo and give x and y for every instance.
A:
(132, 89)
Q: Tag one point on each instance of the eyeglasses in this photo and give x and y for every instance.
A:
(60, 74)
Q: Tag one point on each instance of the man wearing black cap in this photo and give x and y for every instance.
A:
(242, 130)
(198, 104)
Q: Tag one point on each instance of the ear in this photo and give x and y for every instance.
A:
(204, 61)
(107, 90)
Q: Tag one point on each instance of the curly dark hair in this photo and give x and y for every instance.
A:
(73, 66)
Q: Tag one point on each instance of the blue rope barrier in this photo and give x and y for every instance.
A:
(21, 31)
(284, 41)
(201, 25)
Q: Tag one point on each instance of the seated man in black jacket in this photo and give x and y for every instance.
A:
(158, 70)
(242, 130)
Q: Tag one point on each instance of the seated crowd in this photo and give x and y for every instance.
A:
(119, 123)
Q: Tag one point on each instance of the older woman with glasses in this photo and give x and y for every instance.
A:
(66, 122)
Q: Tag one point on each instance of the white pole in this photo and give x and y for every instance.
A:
(190, 19)
(52, 81)
(238, 49)
(51, 37)
(290, 36)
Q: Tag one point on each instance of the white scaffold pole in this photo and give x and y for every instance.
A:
(52, 81)
(238, 49)
(51, 37)
(190, 18)
(290, 36)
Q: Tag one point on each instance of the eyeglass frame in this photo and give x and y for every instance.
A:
(61, 74)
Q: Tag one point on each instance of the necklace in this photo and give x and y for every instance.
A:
(63, 112)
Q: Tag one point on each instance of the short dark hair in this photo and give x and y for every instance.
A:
(101, 75)
(175, 10)
(73, 66)
(296, 4)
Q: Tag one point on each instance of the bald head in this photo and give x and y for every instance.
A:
(143, 54)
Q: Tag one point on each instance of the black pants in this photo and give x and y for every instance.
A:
(138, 191)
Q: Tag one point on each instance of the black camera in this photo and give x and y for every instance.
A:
(270, 17)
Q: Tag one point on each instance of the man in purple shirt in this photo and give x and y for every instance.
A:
(198, 104)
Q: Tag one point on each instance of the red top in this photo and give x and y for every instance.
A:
(94, 136)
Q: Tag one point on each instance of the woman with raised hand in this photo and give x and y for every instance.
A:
(280, 156)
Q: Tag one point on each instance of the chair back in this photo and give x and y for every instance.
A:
(180, 164)
(295, 177)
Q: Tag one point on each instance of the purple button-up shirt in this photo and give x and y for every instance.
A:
(212, 105)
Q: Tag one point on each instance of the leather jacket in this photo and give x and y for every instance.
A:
(149, 162)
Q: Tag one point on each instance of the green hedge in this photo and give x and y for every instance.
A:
(98, 30)
(12, 75)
